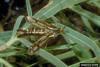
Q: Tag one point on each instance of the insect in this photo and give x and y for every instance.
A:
(49, 28)
(43, 28)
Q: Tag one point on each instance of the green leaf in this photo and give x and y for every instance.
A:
(5, 63)
(91, 16)
(16, 26)
(6, 54)
(11, 39)
(80, 39)
(82, 53)
(55, 6)
(51, 58)
(95, 2)
(1, 42)
(25, 42)
(29, 11)
(8, 44)
(5, 36)
(1, 65)
(66, 55)
(28, 7)
(87, 23)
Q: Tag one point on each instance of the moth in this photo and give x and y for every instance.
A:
(43, 28)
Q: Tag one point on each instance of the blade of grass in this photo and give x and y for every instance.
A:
(62, 56)
(6, 54)
(66, 55)
(80, 39)
(29, 11)
(82, 53)
(1, 42)
(28, 7)
(13, 39)
(5, 63)
(91, 16)
(16, 26)
(53, 7)
(5, 36)
(8, 44)
(25, 42)
(1, 65)
(94, 2)
(87, 23)
(51, 58)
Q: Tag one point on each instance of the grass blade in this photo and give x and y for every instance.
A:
(25, 42)
(51, 58)
(28, 7)
(53, 7)
(87, 23)
(16, 26)
(7, 54)
(68, 54)
(29, 11)
(5, 63)
(80, 39)
(87, 14)
(5, 36)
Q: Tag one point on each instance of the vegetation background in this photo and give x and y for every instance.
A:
(79, 43)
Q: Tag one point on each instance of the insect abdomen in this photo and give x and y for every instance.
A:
(36, 31)
(33, 31)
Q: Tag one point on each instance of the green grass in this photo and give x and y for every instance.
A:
(83, 42)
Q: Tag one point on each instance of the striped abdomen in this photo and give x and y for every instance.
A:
(33, 31)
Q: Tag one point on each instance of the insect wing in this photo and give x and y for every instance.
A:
(34, 22)
(40, 23)
(38, 44)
